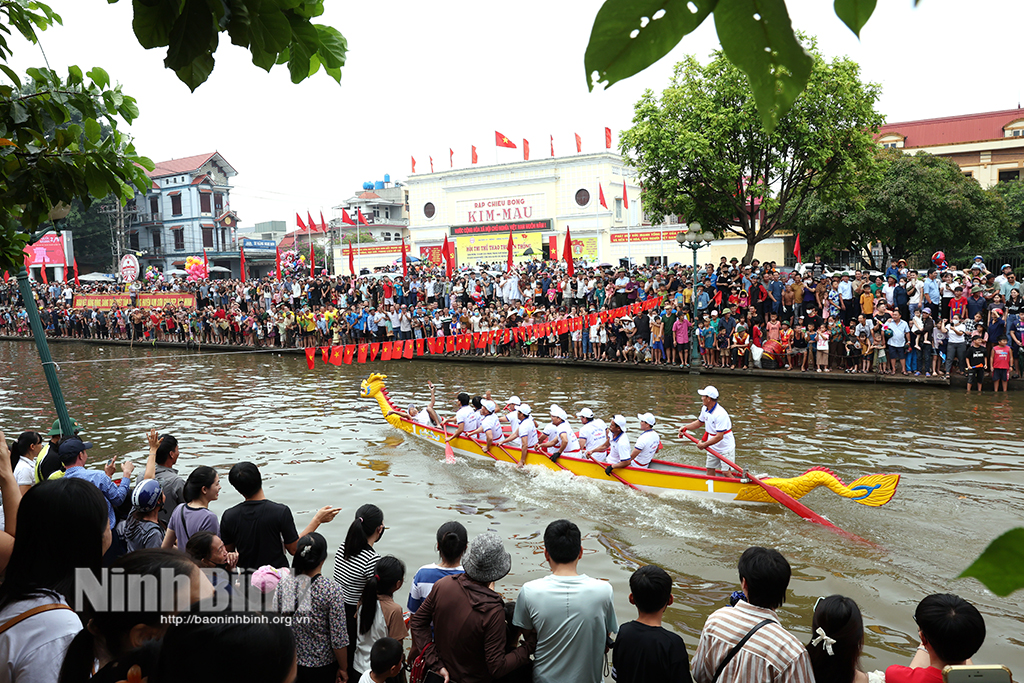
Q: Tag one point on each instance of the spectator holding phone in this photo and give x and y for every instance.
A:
(951, 630)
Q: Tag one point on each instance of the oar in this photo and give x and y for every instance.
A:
(776, 493)
(632, 486)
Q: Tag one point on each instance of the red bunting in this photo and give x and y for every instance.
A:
(432, 344)
(409, 348)
(350, 351)
(476, 340)
(385, 351)
(592, 319)
(363, 350)
(419, 347)
(310, 357)
(451, 344)
(374, 349)
(323, 354)
(336, 352)
(563, 326)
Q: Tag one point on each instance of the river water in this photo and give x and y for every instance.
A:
(318, 443)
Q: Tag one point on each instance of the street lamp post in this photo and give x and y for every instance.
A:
(694, 240)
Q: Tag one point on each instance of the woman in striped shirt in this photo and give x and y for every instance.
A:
(356, 561)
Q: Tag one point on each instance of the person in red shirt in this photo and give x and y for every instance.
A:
(958, 306)
(1000, 363)
(952, 631)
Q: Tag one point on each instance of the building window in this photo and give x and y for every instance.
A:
(223, 238)
(179, 239)
(387, 212)
(582, 197)
(156, 241)
(428, 210)
(376, 212)
(208, 238)
(968, 174)
(176, 204)
(133, 240)
(386, 236)
(204, 202)
(618, 209)
(154, 205)
(1009, 176)
(218, 202)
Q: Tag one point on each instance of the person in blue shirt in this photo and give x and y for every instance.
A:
(73, 453)
(452, 541)
(703, 300)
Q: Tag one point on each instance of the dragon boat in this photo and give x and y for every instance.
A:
(660, 477)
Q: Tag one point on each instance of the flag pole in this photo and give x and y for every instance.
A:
(597, 221)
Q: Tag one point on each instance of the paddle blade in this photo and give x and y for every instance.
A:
(875, 489)
(449, 454)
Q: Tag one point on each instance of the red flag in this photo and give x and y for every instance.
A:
(374, 350)
(336, 353)
(277, 261)
(350, 352)
(362, 219)
(323, 354)
(474, 153)
(413, 163)
(363, 350)
(600, 195)
(298, 219)
(419, 347)
(796, 249)
(206, 262)
(312, 223)
(346, 219)
(385, 351)
(625, 197)
(718, 298)
(77, 283)
(451, 344)
(312, 260)
(351, 260)
(310, 357)
(323, 223)
(431, 164)
(552, 145)
(502, 141)
(410, 348)
(526, 149)
(446, 253)
(579, 143)
(451, 157)
(432, 344)
(241, 250)
(42, 270)
(405, 263)
(7, 276)
(509, 251)
(567, 254)
(607, 138)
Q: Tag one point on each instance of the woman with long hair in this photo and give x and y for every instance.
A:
(62, 529)
(452, 540)
(201, 488)
(379, 615)
(23, 458)
(321, 632)
(355, 562)
(837, 639)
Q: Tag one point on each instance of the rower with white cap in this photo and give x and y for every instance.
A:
(592, 433)
(489, 428)
(717, 432)
(525, 436)
(645, 447)
(512, 416)
(564, 440)
(615, 446)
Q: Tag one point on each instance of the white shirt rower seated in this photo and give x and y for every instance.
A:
(427, 416)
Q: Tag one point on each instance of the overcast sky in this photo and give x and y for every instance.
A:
(425, 76)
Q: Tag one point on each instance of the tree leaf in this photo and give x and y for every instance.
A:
(193, 34)
(93, 129)
(757, 36)
(74, 75)
(95, 180)
(271, 31)
(152, 22)
(1001, 566)
(333, 47)
(615, 54)
(98, 76)
(855, 13)
(195, 74)
(238, 22)
(11, 74)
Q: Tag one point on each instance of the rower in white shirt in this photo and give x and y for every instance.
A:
(565, 440)
(645, 447)
(717, 432)
(525, 436)
(512, 416)
(427, 417)
(592, 431)
(615, 446)
(490, 428)
(462, 413)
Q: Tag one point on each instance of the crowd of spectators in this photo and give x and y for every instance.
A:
(811, 318)
(288, 622)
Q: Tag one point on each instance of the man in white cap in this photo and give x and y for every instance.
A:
(592, 431)
(490, 428)
(512, 416)
(564, 440)
(717, 432)
(525, 436)
(645, 447)
(615, 446)
(427, 416)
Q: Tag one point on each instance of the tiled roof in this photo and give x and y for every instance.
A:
(951, 130)
(188, 164)
(369, 195)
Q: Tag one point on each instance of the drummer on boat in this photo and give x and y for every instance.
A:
(645, 447)
(427, 417)
(564, 440)
(717, 432)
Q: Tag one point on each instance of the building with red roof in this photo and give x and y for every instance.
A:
(988, 147)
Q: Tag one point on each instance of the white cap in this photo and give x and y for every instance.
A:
(646, 417)
(709, 391)
(525, 409)
(514, 401)
(556, 411)
(620, 420)
(587, 413)
(489, 405)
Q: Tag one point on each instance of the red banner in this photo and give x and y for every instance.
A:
(48, 251)
(385, 351)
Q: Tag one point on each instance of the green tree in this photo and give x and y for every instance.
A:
(756, 35)
(91, 231)
(904, 205)
(701, 151)
(1012, 194)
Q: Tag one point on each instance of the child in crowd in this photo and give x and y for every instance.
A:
(878, 344)
(645, 650)
(379, 615)
(786, 339)
(976, 362)
(1000, 363)
(386, 661)
(865, 352)
(812, 346)
(822, 347)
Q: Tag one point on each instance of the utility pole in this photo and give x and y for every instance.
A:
(120, 219)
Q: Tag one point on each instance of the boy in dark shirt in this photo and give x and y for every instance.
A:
(977, 359)
(644, 650)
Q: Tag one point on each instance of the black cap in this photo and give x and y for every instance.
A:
(70, 449)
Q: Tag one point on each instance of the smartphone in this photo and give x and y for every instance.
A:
(433, 677)
(992, 673)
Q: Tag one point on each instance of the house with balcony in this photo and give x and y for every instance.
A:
(187, 210)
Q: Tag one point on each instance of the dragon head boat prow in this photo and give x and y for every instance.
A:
(373, 387)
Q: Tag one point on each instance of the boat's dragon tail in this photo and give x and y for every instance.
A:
(871, 490)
